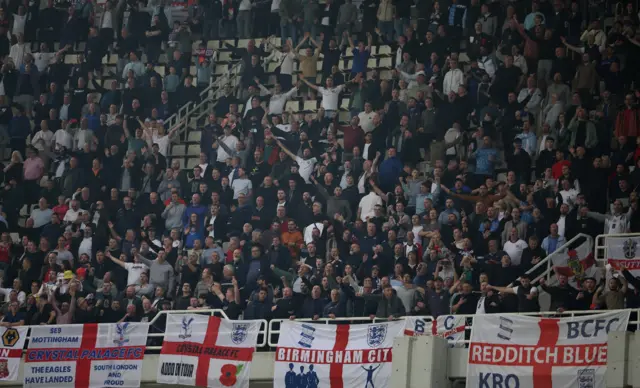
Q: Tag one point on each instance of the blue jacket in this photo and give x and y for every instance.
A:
(200, 210)
(389, 172)
(483, 165)
(19, 127)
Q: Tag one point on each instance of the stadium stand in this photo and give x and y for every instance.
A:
(203, 156)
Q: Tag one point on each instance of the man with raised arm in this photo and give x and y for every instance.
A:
(134, 269)
(306, 165)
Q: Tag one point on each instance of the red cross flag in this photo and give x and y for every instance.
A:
(204, 351)
(531, 352)
(339, 356)
(86, 356)
(450, 327)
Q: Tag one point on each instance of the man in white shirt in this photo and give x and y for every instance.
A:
(278, 98)
(366, 118)
(533, 106)
(453, 79)
(284, 58)
(43, 139)
(73, 213)
(306, 164)
(18, 50)
(241, 185)
(43, 58)
(134, 269)
(228, 139)
(86, 245)
(330, 96)
(63, 138)
(367, 206)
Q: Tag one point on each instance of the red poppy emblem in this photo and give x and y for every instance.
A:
(228, 374)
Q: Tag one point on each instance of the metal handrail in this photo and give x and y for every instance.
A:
(182, 119)
(634, 322)
(548, 261)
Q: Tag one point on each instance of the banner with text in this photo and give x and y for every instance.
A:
(86, 356)
(532, 352)
(11, 351)
(623, 251)
(335, 356)
(449, 327)
(204, 351)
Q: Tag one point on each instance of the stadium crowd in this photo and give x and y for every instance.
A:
(504, 130)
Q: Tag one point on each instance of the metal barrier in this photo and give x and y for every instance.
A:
(180, 120)
(275, 332)
(262, 333)
(547, 262)
(601, 248)
(634, 321)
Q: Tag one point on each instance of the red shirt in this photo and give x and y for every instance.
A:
(61, 210)
(556, 169)
(352, 137)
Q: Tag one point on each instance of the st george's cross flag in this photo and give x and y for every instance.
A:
(449, 327)
(335, 356)
(205, 351)
(532, 352)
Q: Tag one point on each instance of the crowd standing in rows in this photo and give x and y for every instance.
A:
(503, 130)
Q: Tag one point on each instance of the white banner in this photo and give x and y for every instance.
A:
(11, 351)
(624, 250)
(449, 327)
(335, 356)
(86, 356)
(204, 351)
(532, 352)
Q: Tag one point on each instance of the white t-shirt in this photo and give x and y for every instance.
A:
(241, 185)
(306, 167)
(231, 142)
(42, 60)
(18, 24)
(72, 215)
(330, 97)
(163, 144)
(134, 271)
(366, 121)
(367, 205)
(63, 138)
(42, 140)
(514, 250)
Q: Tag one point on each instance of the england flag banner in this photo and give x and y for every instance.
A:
(532, 352)
(204, 351)
(449, 327)
(86, 356)
(335, 356)
(11, 351)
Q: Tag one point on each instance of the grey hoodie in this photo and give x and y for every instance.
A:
(160, 274)
(172, 215)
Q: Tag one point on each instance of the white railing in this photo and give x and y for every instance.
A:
(274, 324)
(602, 249)
(634, 321)
(547, 263)
(180, 120)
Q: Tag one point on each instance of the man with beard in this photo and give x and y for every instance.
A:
(613, 299)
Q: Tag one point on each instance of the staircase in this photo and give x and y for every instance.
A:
(191, 116)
